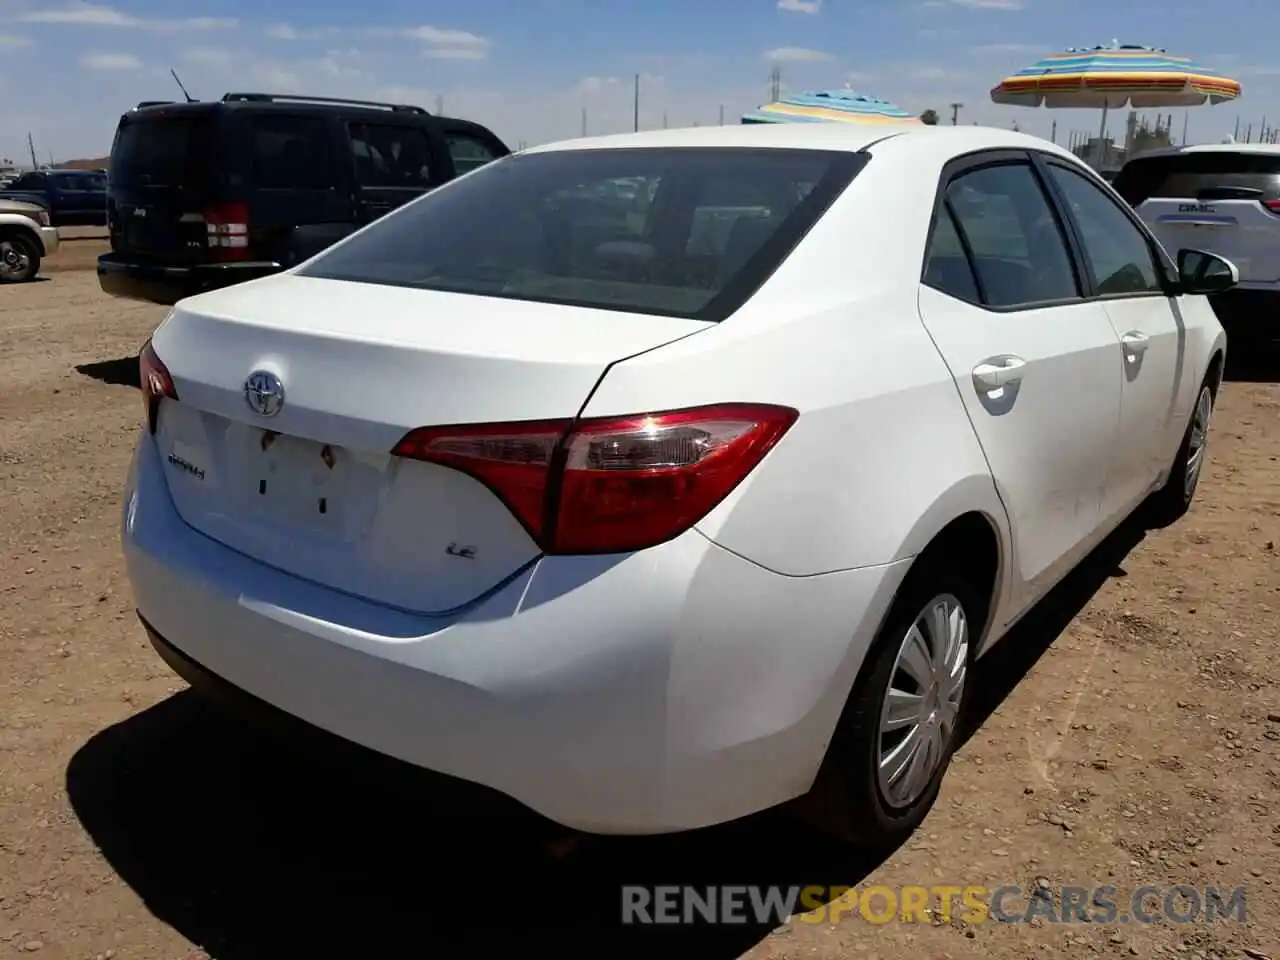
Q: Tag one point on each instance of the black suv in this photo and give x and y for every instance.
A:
(203, 195)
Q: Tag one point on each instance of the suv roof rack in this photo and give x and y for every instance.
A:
(298, 98)
(153, 103)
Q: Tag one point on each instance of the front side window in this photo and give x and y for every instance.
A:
(663, 230)
(1116, 250)
(1019, 254)
(468, 152)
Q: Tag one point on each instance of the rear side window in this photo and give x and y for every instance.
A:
(1183, 176)
(1019, 254)
(291, 153)
(165, 151)
(468, 152)
(687, 232)
(391, 156)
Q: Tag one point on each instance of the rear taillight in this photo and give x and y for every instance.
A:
(613, 484)
(155, 382)
(1272, 205)
(227, 230)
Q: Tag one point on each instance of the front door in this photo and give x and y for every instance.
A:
(1127, 279)
(1036, 364)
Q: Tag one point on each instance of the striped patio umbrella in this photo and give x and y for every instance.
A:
(1115, 76)
(826, 106)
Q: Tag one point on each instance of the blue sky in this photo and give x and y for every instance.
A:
(529, 68)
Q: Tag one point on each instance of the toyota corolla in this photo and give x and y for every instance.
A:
(658, 479)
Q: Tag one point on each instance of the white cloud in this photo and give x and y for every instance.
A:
(10, 41)
(796, 55)
(83, 14)
(800, 6)
(439, 43)
(110, 61)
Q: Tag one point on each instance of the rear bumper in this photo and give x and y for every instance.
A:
(665, 690)
(157, 283)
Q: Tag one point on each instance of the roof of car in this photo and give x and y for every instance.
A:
(948, 141)
(1271, 149)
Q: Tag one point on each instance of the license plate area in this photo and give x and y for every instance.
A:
(296, 481)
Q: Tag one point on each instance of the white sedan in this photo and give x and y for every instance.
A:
(655, 507)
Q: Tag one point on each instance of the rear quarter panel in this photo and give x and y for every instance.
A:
(882, 456)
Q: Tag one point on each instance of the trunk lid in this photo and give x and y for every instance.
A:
(313, 489)
(159, 182)
(1213, 200)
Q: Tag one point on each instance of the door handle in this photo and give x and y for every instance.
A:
(1135, 342)
(997, 372)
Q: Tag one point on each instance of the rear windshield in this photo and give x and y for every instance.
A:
(1183, 176)
(686, 232)
(166, 151)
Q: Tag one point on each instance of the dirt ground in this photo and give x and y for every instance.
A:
(1130, 735)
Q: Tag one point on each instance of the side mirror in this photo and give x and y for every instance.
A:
(1202, 272)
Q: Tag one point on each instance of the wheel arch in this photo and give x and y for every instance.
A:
(12, 229)
(969, 520)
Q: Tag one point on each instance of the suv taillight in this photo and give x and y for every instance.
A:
(1273, 206)
(155, 381)
(613, 484)
(227, 230)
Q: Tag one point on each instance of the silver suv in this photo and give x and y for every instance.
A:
(1223, 198)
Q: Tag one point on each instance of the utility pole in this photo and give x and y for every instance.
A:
(955, 113)
(1053, 132)
(722, 114)
(775, 84)
(664, 119)
(584, 121)
(1185, 115)
(35, 164)
(635, 113)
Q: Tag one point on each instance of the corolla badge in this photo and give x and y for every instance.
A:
(264, 393)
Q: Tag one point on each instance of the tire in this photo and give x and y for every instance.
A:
(1171, 502)
(19, 258)
(849, 799)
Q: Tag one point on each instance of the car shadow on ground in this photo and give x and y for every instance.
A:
(122, 372)
(248, 852)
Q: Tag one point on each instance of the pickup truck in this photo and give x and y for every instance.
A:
(26, 238)
(74, 198)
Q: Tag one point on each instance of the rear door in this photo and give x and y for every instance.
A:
(1224, 201)
(161, 176)
(393, 163)
(71, 196)
(1036, 363)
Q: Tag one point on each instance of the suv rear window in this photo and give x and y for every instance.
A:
(1184, 175)
(161, 152)
(686, 232)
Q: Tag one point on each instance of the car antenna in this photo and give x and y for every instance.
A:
(174, 74)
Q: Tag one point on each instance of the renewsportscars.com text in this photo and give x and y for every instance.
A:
(773, 905)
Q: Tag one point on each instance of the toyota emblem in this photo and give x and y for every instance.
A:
(264, 393)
